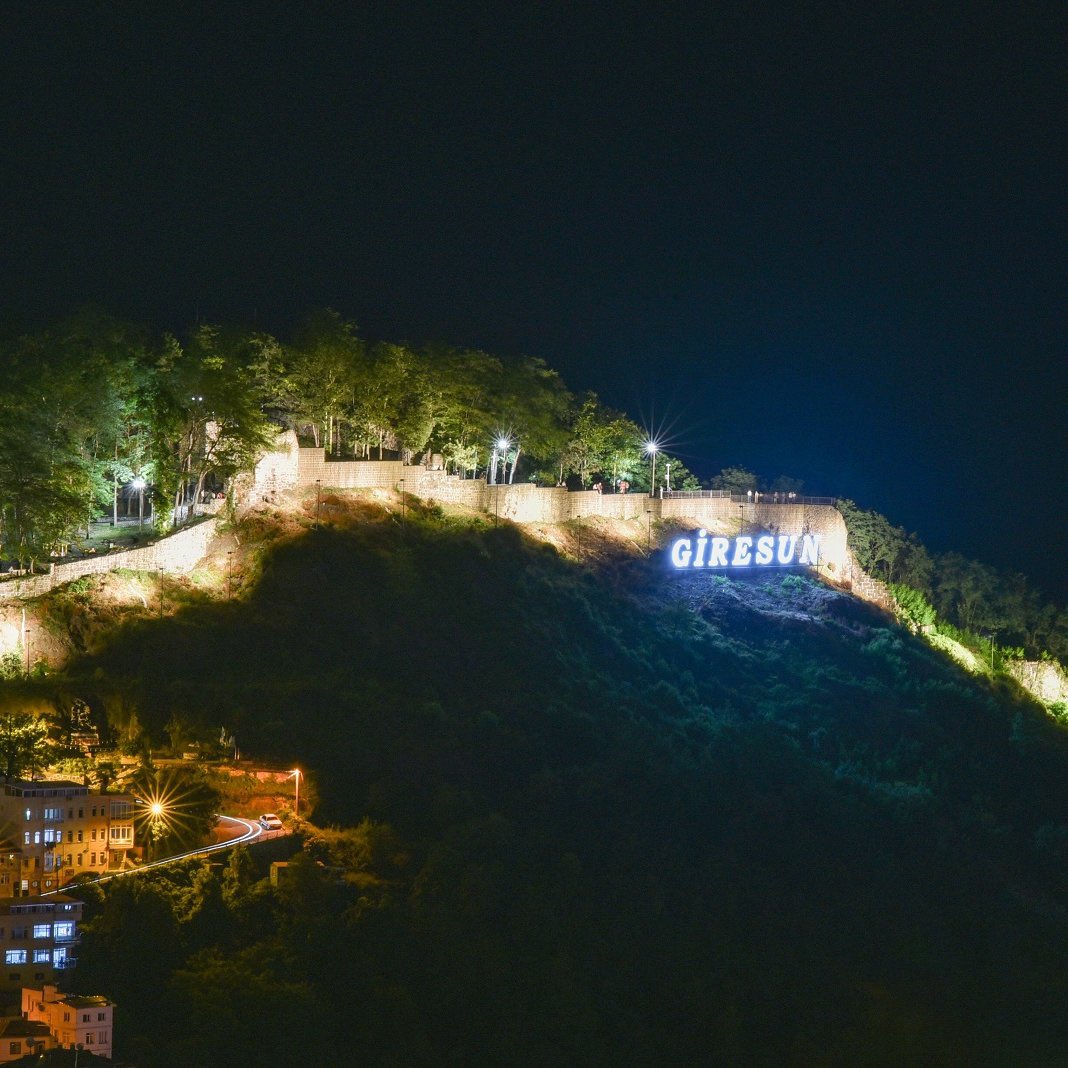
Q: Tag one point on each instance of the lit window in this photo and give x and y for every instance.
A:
(64, 929)
(26, 838)
(42, 930)
(15, 956)
(42, 956)
(29, 814)
(36, 837)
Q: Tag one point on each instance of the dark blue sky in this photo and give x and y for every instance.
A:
(819, 240)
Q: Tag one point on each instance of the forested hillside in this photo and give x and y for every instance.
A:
(97, 414)
(589, 814)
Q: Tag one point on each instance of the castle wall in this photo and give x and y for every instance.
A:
(180, 552)
(527, 503)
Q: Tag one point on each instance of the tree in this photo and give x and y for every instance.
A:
(22, 743)
(735, 479)
(206, 421)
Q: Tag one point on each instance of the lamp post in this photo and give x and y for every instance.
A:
(648, 530)
(501, 448)
(651, 448)
(741, 517)
(296, 800)
(667, 477)
(139, 485)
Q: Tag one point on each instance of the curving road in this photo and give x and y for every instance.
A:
(243, 831)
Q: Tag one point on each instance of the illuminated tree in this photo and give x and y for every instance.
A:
(22, 743)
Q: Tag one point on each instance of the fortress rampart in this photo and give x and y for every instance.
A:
(292, 467)
(180, 552)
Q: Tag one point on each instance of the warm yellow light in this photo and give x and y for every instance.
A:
(156, 809)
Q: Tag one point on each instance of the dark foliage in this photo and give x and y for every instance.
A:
(605, 819)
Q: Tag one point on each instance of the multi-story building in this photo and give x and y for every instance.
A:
(20, 1038)
(75, 1021)
(38, 936)
(54, 830)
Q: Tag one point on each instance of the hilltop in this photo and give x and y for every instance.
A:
(596, 812)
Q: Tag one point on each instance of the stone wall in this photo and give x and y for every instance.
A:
(527, 503)
(180, 552)
(278, 469)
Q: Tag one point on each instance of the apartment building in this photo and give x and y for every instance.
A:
(54, 830)
(75, 1021)
(38, 936)
(21, 1038)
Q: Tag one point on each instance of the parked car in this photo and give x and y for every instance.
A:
(270, 822)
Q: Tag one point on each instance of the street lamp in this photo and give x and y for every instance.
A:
(139, 485)
(651, 447)
(296, 801)
(500, 448)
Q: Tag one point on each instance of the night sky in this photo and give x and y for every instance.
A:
(822, 240)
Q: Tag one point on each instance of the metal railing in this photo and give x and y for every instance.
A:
(745, 498)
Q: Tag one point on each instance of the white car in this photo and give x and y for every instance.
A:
(270, 822)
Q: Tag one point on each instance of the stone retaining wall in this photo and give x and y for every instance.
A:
(180, 552)
(527, 503)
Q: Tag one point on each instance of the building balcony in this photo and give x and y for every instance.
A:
(68, 962)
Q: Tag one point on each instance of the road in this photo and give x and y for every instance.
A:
(243, 831)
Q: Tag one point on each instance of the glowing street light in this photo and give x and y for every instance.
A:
(500, 451)
(296, 801)
(139, 485)
(651, 447)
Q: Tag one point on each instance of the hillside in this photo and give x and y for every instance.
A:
(598, 813)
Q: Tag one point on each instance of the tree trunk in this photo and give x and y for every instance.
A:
(515, 460)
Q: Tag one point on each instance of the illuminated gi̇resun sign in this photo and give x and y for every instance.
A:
(745, 551)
